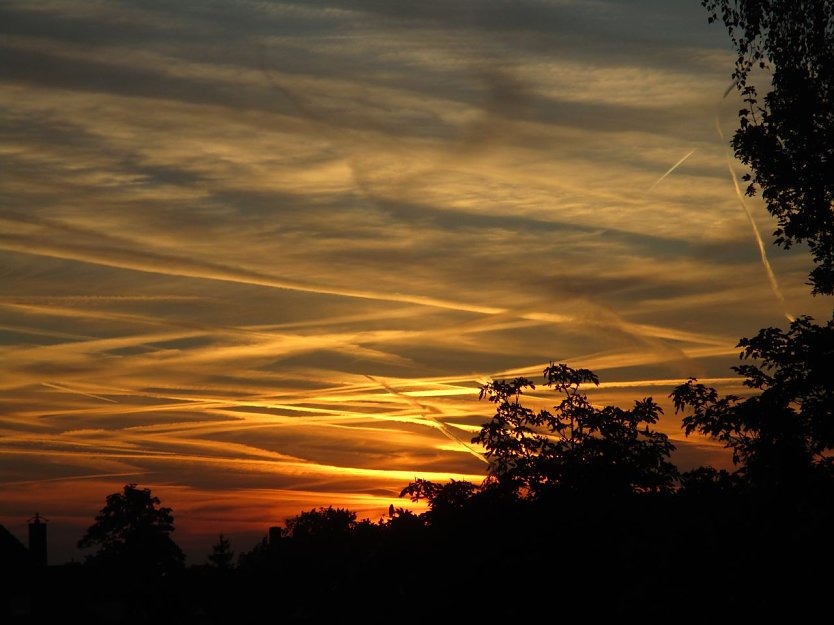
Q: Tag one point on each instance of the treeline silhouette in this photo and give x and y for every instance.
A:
(581, 516)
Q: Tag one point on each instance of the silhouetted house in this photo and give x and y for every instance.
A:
(15, 569)
(14, 557)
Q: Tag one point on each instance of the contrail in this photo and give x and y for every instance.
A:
(774, 284)
(425, 412)
(70, 390)
(175, 265)
(671, 169)
(91, 476)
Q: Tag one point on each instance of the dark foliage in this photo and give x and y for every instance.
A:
(221, 556)
(133, 533)
(783, 437)
(576, 447)
(442, 499)
(787, 136)
(324, 524)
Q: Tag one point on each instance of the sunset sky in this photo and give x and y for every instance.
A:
(258, 256)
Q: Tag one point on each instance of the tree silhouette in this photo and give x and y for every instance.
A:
(784, 436)
(221, 555)
(444, 500)
(322, 524)
(134, 534)
(450, 496)
(787, 137)
(577, 447)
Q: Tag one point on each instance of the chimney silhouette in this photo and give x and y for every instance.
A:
(274, 536)
(37, 539)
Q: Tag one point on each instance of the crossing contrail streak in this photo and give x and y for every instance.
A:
(425, 412)
(66, 389)
(774, 284)
(671, 169)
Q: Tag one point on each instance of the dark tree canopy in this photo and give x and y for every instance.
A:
(784, 436)
(787, 137)
(222, 556)
(321, 524)
(133, 533)
(577, 447)
(443, 499)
